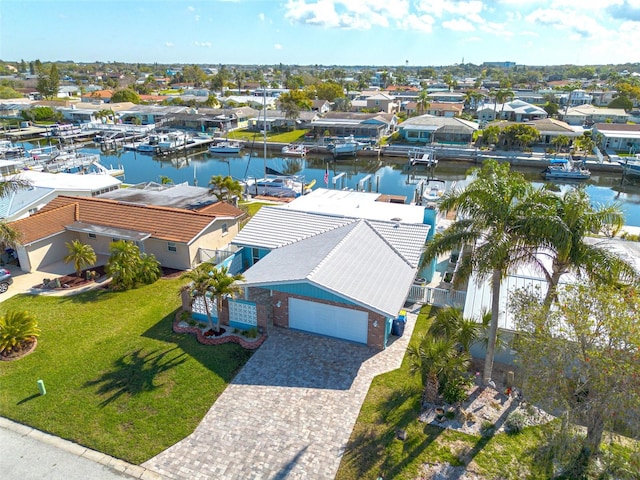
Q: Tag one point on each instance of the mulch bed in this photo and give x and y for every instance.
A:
(73, 281)
(25, 349)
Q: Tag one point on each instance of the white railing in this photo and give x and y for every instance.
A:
(439, 297)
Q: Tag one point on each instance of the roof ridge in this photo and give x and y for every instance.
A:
(353, 226)
(397, 252)
(134, 205)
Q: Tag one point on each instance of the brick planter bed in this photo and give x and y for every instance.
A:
(243, 342)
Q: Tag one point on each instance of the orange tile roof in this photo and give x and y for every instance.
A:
(164, 223)
(222, 209)
(45, 224)
(99, 94)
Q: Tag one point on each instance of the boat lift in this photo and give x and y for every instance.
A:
(362, 181)
(335, 179)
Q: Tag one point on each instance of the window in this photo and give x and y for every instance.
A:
(225, 229)
(171, 246)
(91, 235)
(255, 256)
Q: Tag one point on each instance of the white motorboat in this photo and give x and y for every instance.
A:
(225, 146)
(9, 150)
(630, 165)
(565, 169)
(345, 146)
(284, 186)
(172, 141)
(294, 150)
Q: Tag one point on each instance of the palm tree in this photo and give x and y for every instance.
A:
(207, 279)
(494, 214)
(17, 328)
(560, 141)
(148, 269)
(502, 95)
(450, 323)
(435, 358)
(224, 188)
(81, 254)
(8, 235)
(570, 220)
(122, 265)
(423, 102)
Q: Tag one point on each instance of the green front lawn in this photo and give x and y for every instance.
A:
(393, 403)
(118, 379)
(257, 138)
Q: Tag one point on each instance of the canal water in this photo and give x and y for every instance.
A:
(386, 175)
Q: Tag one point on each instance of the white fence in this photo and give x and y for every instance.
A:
(439, 297)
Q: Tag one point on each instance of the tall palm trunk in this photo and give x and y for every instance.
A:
(432, 385)
(218, 311)
(496, 280)
(553, 288)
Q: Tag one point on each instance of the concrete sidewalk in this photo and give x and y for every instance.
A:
(30, 454)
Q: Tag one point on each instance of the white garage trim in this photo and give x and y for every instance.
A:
(315, 317)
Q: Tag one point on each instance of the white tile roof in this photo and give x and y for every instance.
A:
(274, 227)
(353, 261)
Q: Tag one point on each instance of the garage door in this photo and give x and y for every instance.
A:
(328, 320)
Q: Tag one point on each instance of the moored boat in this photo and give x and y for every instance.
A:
(343, 147)
(565, 169)
(225, 146)
(294, 150)
(630, 165)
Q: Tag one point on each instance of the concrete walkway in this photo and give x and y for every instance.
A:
(30, 454)
(288, 414)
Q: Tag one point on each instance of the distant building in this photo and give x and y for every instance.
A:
(499, 64)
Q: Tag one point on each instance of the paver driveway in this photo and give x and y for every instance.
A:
(288, 413)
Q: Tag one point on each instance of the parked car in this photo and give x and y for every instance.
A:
(5, 280)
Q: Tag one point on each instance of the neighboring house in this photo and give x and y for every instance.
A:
(551, 128)
(232, 101)
(178, 238)
(431, 129)
(44, 187)
(321, 106)
(344, 274)
(98, 96)
(447, 97)
(589, 114)
(445, 109)
(85, 112)
(382, 102)
(617, 137)
(514, 111)
(479, 294)
(65, 91)
(363, 126)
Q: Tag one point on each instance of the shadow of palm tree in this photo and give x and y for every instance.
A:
(286, 469)
(135, 373)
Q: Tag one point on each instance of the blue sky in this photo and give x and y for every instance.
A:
(327, 32)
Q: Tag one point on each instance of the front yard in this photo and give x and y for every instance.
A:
(393, 404)
(118, 379)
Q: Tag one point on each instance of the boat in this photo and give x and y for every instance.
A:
(172, 141)
(422, 156)
(630, 165)
(280, 186)
(433, 190)
(152, 145)
(225, 146)
(9, 150)
(565, 169)
(294, 150)
(347, 146)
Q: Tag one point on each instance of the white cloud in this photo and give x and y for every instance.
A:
(191, 9)
(202, 44)
(458, 25)
(277, 46)
(354, 14)
(420, 23)
(196, 18)
(168, 44)
(261, 16)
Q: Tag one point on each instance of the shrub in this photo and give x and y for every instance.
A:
(251, 333)
(487, 428)
(16, 328)
(515, 423)
(455, 390)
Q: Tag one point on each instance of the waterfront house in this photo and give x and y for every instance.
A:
(515, 111)
(430, 129)
(98, 96)
(551, 128)
(622, 138)
(589, 114)
(44, 187)
(363, 126)
(334, 263)
(179, 238)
